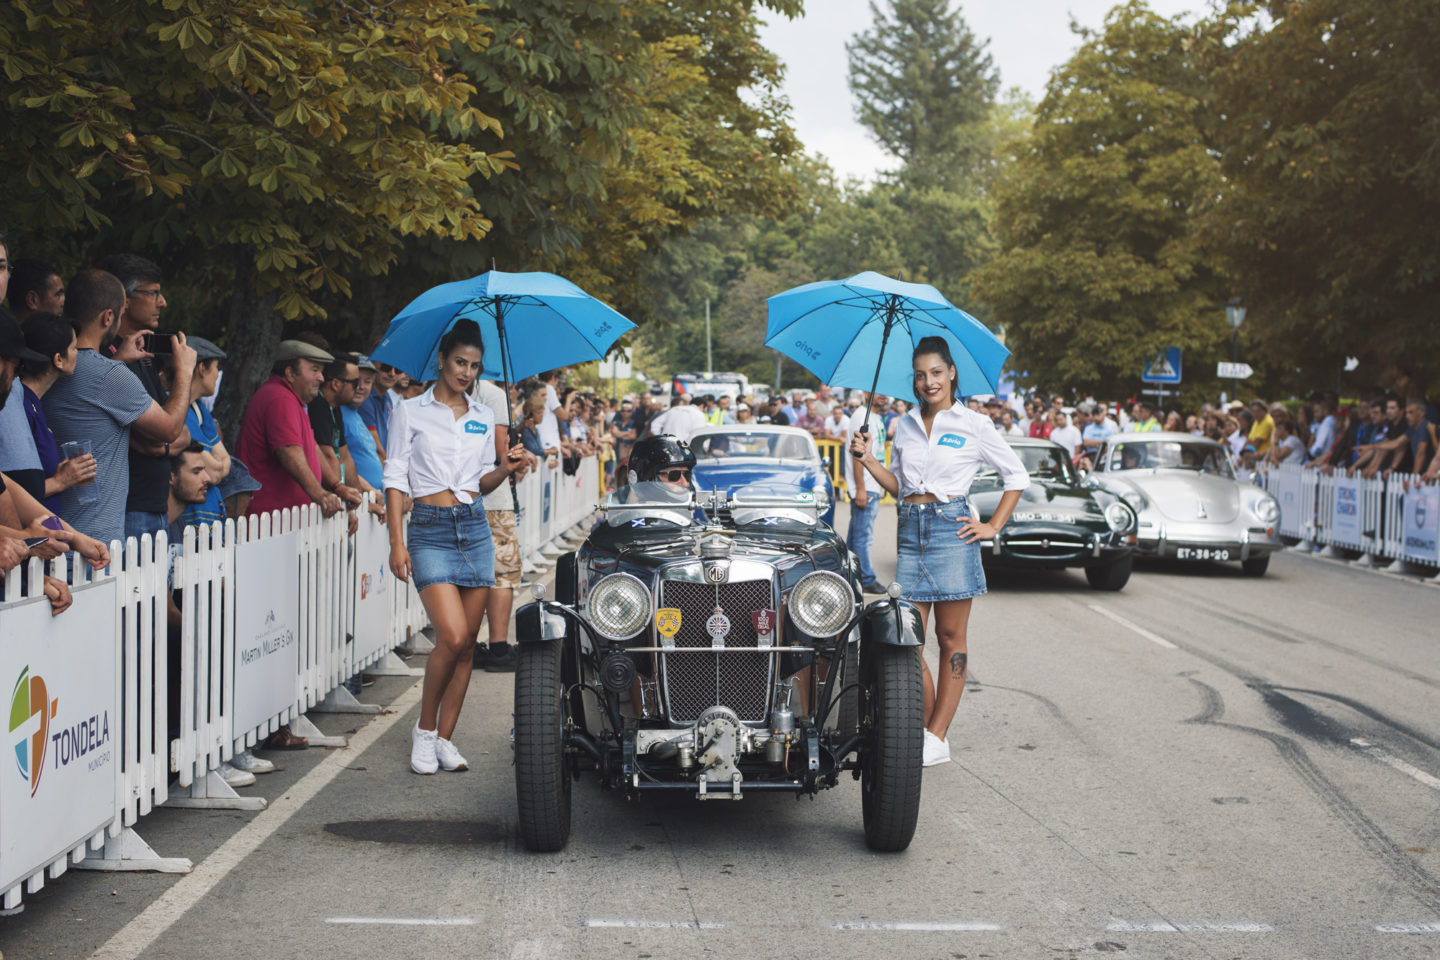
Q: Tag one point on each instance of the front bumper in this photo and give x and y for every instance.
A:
(1198, 542)
(1054, 546)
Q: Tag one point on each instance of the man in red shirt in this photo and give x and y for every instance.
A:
(277, 441)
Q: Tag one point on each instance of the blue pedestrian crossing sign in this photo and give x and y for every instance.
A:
(1164, 367)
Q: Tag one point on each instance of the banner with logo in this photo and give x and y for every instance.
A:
(1345, 523)
(267, 648)
(372, 587)
(1422, 524)
(57, 785)
(1287, 493)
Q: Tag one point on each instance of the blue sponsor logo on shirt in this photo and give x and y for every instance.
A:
(475, 426)
(952, 440)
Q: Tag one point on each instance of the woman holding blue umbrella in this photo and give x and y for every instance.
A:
(442, 448)
(939, 447)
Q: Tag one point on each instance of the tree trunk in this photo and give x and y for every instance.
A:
(252, 334)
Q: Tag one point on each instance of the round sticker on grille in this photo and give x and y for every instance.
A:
(718, 626)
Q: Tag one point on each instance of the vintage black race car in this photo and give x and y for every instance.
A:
(716, 657)
(1062, 520)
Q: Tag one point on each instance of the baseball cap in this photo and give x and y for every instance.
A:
(12, 340)
(993, 402)
(300, 350)
(743, 406)
(365, 363)
(204, 349)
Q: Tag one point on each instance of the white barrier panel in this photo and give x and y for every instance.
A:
(58, 787)
(1284, 486)
(1345, 525)
(373, 591)
(267, 627)
(1422, 525)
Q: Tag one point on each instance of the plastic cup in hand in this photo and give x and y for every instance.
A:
(85, 491)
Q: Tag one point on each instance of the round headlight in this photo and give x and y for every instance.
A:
(1267, 510)
(619, 606)
(821, 603)
(1119, 517)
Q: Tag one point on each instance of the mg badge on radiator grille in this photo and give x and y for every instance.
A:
(717, 572)
(718, 626)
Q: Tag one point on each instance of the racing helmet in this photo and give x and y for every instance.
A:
(654, 454)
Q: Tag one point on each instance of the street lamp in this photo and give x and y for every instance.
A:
(1234, 316)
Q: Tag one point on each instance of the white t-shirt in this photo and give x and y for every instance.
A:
(853, 423)
(680, 421)
(1011, 431)
(1068, 437)
(836, 429)
(550, 424)
(945, 462)
(493, 396)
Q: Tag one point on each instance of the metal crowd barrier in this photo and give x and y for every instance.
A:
(1392, 521)
(276, 613)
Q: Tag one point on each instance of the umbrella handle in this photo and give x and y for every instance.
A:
(864, 429)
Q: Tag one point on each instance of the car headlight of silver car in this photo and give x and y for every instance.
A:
(821, 603)
(619, 606)
(1119, 517)
(1266, 509)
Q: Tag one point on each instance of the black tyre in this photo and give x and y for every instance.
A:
(1113, 575)
(850, 700)
(893, 747)
(542, 781)
(1256, 566)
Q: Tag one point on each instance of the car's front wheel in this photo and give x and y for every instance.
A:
(542, 782)
(1256, 566)
(893, 746)
(1113, 575)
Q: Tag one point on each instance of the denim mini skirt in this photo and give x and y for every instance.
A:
(933, 564)
(451, 545)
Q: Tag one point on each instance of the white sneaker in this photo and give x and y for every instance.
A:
(250, 763)
(937, 751)
(422, 750)
(448, 756)
(234, 777)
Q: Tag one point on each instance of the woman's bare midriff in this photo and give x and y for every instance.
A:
(922, 498)
(445, 498)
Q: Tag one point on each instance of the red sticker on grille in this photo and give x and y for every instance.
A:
(764, 621)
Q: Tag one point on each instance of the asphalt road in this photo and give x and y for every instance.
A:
(1201, 766)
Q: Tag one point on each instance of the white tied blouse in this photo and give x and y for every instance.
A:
(945, 463)
(430, 450)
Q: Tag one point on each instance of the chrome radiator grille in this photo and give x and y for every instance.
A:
(695, 681)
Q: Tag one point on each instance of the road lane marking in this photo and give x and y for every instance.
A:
(136, 936)
(1166, 926)
(594, 924)
(408, 921)
(1132, 626)
(1407, 928)
(923, 926)
(1414, 773)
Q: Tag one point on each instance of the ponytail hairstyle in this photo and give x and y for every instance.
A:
(465, 333)
(934, 346)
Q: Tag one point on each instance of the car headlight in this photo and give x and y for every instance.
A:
(821, 603)
(1119, 517)
(1266, 509)
(619, 606)
(1135, 500)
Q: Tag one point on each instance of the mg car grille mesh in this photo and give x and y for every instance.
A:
(740, 681)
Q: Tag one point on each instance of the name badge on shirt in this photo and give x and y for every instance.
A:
(475, 426)
(952, 440)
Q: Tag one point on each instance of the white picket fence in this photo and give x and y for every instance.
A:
(1393, 520)
(91, 700)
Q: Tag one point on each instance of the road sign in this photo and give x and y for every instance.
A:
(1164, 368)
(1233, 371)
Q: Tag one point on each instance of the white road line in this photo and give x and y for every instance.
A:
(1392, 761)
(137, 935)
(1165, 926)
(651, 925)
(1407, 928)
(1132, 626)
(408, 921)
(922, 926)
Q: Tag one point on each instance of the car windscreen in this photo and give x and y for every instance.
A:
(1170, 455)
(1041, 462)
(665, 502)
(732, 444)
(770, 503)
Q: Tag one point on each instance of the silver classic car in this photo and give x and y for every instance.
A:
(1188, 500)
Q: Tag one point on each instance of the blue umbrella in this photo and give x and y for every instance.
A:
(529, 322)
(842, 331)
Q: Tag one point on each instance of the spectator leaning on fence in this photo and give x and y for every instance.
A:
(53, 337)
(1323, 408)
(1389, 441)
(364, 451)
(337, 467)
(105, 403)
(200, 422)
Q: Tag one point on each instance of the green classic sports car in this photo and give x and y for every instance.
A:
(1062, 520)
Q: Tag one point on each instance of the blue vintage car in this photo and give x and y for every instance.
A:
(739, 455)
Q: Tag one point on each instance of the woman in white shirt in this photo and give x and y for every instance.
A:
(939, 447)
(442, 448)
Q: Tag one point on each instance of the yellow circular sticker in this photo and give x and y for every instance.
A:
(667, 621)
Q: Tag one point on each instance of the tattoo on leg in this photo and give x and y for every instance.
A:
(957, 665)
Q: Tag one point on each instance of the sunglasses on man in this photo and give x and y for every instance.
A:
(675, 476)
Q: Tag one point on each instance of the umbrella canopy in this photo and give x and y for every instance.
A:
(530, 322)
(861, 331)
